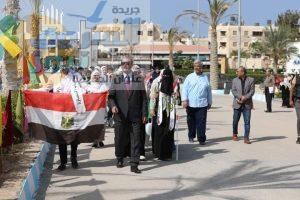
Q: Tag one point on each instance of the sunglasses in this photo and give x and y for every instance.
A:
(125, 63)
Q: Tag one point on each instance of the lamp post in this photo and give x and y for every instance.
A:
(239, 35)
(198, 42)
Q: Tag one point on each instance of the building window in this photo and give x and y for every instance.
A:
(257, 33)
(223, 33)
(140, 32)
(51, 42)
(246, 44)
(246, 33)
(150, 33)
(234, 44)
(234, 33)
(223, 44)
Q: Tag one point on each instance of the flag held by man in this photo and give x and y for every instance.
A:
(52, 117)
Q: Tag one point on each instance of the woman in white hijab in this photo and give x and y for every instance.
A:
(97, 87)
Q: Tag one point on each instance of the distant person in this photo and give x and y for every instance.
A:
(197, 100)
(295, 101)
(154, 74)
(243, 89)
(269, 87)
(285, 86)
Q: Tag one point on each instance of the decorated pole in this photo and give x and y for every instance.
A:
(9, 43)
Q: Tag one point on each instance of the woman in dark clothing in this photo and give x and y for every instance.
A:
(162, 110)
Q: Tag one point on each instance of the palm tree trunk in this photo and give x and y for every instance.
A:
(275, 66)
(171, 59)
(9, 73)
(35, 33)
(214, 65)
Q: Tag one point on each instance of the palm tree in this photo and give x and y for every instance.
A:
(217, 11)
(276, 44)
(174, 36)
(9, 74)
(35, 28)
(290, 18)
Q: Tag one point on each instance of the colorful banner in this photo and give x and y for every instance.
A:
(20, 112)
(11, 47)
(7, 40)
(1, 126)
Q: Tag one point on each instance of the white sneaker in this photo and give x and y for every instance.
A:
(142, 158)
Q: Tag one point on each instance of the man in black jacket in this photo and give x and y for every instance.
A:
(128, 100)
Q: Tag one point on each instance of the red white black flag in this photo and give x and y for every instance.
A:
(53, 117)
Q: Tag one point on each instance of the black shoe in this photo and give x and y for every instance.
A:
(61, 167)
(74, 163)
(135, 169)
(191, 140)
(96, 145)
(202, 143)
(120, 163)
(298, 140)
(101, 144)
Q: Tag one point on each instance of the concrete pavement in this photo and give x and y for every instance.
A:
(268, 169)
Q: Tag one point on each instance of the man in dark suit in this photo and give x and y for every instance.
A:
(243, 89)
(128, 100)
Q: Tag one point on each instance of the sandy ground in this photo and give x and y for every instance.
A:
(15, 169)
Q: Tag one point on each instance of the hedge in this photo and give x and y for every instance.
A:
(258, 75)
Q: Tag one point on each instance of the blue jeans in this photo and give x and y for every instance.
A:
(196, 119)
(236, 118)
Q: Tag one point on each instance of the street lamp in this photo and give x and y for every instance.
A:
(198, 43)
(239, 35)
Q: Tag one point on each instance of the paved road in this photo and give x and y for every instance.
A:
(268, 169)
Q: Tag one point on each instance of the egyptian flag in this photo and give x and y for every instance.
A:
(54, 117)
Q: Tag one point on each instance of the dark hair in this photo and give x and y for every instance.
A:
(244, 69)
(64, 70)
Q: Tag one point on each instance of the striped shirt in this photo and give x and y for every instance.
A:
(197, 91)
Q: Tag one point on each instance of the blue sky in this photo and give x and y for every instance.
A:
(163, 12)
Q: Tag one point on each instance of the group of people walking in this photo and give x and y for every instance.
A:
(135, 100)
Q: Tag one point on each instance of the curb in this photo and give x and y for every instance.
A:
(256, 97)
(31, 183)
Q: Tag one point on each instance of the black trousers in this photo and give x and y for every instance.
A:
(128, 140)
(63, 152)
(269, 97)
(196, 119)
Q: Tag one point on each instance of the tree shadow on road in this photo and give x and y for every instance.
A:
(245, 175)
(90, 195)
(215, 141)
(187, 153)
